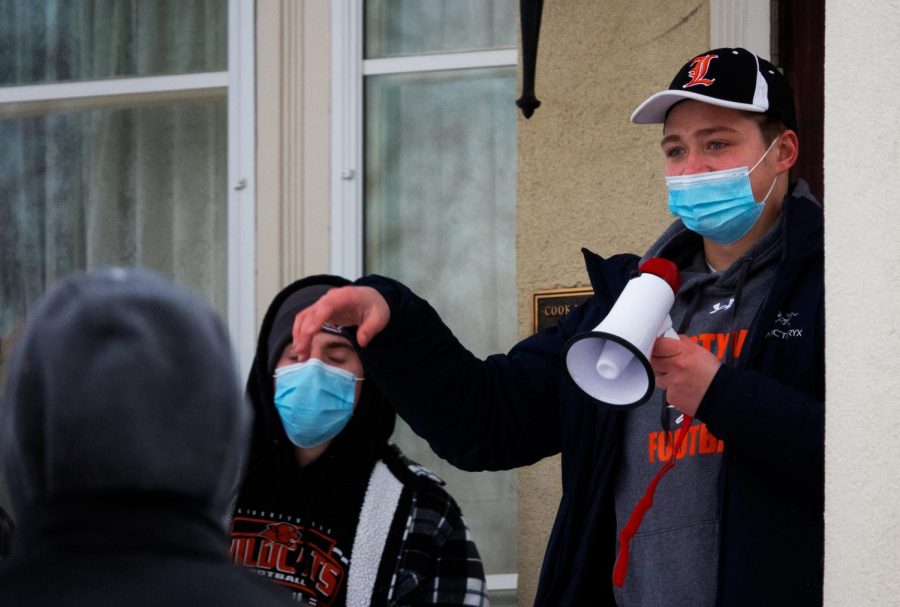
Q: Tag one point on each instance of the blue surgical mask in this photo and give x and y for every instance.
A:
(314, 400)
(718, 205)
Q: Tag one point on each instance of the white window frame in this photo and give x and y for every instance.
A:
(744, 23)
(237, 82)
(346, 138)
(348, 69)
(242, 180)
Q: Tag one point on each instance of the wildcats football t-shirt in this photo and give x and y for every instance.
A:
(306, 557)
(295, 527)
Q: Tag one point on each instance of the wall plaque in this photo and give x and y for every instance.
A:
(551, 305)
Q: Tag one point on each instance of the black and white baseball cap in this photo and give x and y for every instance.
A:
(727, 77)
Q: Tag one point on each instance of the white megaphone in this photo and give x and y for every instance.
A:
(611, 364)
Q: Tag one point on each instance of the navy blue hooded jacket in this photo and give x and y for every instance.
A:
(515, 409)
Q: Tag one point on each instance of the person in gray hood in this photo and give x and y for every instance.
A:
(122, 432)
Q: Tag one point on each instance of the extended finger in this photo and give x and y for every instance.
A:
(301, 343)
(368, 328)
(364, 333)
(306, 324)
(374, 315)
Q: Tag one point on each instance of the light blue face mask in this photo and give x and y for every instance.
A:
(314, 400)
(718, 205)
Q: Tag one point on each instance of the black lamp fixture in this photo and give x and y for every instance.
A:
(530, 15)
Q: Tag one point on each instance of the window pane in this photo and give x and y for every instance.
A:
(440, 216)
(141, 185)
(405, 27)
(64, 40)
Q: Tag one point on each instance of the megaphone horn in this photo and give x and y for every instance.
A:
(611, 364)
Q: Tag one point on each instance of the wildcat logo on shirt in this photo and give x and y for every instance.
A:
(301, 557)
(283, 533)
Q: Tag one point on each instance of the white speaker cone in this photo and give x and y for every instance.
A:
(612, 360)
(631, 386)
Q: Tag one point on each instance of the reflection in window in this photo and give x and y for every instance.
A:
(132, 186)
(63, 40)
(440, 195)
(98, 180)
(407, 27)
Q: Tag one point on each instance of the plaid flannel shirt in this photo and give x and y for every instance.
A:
(438, 562)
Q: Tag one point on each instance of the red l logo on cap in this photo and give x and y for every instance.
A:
(697, 73)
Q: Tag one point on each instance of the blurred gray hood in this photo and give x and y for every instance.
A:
(123, 382)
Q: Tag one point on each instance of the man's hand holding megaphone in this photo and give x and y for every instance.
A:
(361, 307)
(684, 370)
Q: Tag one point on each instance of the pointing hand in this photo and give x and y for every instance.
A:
(363, 307)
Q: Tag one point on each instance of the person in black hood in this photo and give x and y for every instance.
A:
(327, 507)
(122, 432)
(741, 404)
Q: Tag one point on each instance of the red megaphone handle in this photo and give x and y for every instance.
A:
(643, 505)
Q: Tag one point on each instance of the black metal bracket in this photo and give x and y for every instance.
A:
(530, 15)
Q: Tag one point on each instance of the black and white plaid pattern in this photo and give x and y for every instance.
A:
(438, 563)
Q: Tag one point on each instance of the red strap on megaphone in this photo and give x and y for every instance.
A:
(643, 505)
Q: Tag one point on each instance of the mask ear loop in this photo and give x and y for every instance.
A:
(771, 187)
(643, 505)
(766, 153)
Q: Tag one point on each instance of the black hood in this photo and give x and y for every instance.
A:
(123, 383)
(365, 435)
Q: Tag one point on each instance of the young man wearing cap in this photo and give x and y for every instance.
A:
(328, 508)
(739, 520)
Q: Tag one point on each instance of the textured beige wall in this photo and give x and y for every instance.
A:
(587, 176)
(862, 254)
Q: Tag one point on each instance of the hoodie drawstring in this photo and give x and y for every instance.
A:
(634, 521)
(637, 515)
(738, 290)
(620, 570)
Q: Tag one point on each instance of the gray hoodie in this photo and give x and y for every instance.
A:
(121, 433)
(123, 382)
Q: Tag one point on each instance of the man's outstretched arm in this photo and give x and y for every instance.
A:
(497, 413)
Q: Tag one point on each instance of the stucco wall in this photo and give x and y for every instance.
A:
(587, 176)
(862, 254)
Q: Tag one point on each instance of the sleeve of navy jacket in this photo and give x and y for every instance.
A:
(491, 414)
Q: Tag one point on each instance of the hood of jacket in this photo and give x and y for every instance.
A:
(681, 245)
(123, 383)
(365, 435)
(798, 231)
